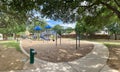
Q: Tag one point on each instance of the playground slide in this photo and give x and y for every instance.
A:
(44, 38)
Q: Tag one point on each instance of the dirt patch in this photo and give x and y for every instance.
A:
(11, 59)
(114, 57)
(65, 52)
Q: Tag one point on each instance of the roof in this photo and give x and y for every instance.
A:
(37, 28)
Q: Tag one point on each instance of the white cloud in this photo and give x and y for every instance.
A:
(47, 19)
(68, 25)
(53, 23)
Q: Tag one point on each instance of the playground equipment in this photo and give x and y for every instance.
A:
(43, 35)
(37, 28)
(48, 27)
(46, 34)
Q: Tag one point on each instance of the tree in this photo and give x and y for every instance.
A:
(86, 28)
(69, 30)
(13, 30)
(11, 24)
(78, 28)
(78, 31)
(93, 12)
(114, 28)
(36, 22)
(59, 29)
(70, 10)
(65, 10)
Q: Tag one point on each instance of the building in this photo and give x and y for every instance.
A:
(1, 36)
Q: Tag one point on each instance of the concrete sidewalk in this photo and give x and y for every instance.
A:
(95, 61)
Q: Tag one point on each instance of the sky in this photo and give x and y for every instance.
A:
(53, 23)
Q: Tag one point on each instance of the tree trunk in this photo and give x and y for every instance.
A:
(86, 36)
(108, 35)
(115, 36)
(56, 39)
(79, 39)
(14, 36)
(60, 39)
(76, 40)
(4, 37)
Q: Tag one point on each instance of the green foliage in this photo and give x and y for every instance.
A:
(37, 22)
(95, 13)
(78, 28)
(113, 28)
(12, 24)
(13, 29)
(84, 28)
(69, 30)
(65, 10)
(59, 29)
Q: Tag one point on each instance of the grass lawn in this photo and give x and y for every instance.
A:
(10, 44)
(114, 52)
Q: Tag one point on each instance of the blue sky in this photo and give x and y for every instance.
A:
(53, 23)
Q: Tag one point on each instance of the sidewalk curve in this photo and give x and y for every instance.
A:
(95, 61)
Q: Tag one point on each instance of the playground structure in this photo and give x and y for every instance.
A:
(46, 34)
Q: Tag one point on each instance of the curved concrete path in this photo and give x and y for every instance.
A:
(95, 61)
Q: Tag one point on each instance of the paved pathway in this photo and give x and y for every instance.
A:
(95, 61)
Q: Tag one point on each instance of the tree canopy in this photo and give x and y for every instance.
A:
(36, 21)
(65, 10)
(93, 12)
(59, 29)
(113, 29)
(69, 30)
(9, 24)
(82, 27)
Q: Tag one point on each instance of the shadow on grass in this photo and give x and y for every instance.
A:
(10, 44)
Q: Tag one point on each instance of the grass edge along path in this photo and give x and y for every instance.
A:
(11, 44)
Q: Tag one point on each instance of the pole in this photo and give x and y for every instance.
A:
(79, 39)
(56, 38)
(60, 37)
(76, 41)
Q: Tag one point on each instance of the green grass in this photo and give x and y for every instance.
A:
(108, 43)
(10, 44)
(112, 45)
